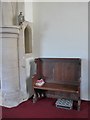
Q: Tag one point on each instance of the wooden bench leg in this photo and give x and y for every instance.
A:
(34, 98)
(79, 103)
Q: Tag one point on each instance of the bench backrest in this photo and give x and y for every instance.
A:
(59, 70)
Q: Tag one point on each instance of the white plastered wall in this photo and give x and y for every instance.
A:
(61, 30)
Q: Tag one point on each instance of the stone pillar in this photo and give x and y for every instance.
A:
(10, 12)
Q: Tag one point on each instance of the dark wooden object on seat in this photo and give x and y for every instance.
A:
(61, 76)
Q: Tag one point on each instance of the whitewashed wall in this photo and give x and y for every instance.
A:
(61, 30)
(28, 11)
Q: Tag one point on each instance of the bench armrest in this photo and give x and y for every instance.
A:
(34, 78)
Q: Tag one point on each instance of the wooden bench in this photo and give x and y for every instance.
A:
(61, 76)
